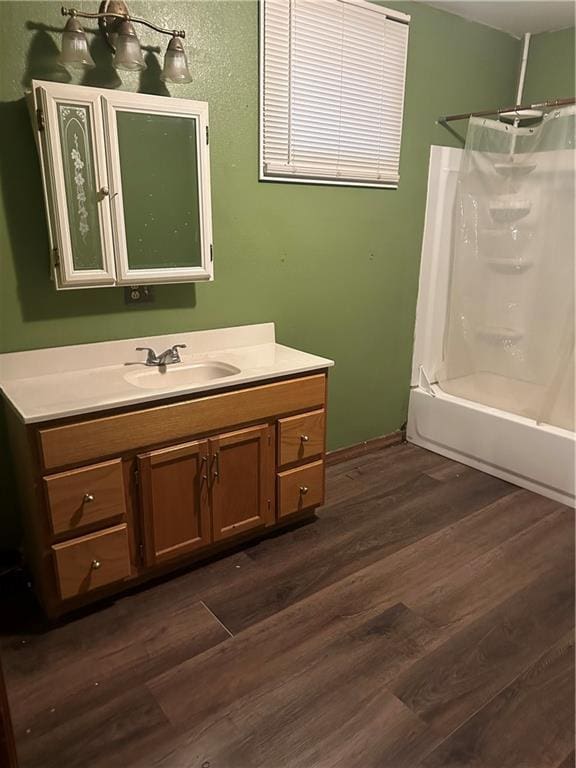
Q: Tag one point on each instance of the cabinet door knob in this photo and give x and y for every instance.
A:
(304, 438)
(88, 497)
(95, 565)
(104, 191)
(303, 490)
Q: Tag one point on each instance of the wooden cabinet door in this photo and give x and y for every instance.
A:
(174, 498)
(242, 481)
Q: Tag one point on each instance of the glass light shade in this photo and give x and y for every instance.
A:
(128, 52)
(175, 63)
(75, 53)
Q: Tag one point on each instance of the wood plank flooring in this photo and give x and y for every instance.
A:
(425, 619)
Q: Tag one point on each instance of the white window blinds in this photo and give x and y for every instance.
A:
(332, 91)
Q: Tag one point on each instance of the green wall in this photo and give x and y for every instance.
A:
(551, 66)
(335, 268)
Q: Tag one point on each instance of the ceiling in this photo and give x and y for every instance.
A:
(514, 16)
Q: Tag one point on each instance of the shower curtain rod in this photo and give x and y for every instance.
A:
(516, 108)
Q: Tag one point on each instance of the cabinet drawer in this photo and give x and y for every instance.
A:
(301, 437)
(85, 496)
(300, 488)
(90, 440)
(92, 561)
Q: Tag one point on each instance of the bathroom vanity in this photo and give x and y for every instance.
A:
(127, 471)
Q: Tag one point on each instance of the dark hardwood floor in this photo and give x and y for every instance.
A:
(425, 619)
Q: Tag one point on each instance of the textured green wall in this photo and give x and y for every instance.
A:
(551, 66)
(335, 268)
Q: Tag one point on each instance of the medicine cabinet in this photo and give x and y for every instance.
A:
(127, 186)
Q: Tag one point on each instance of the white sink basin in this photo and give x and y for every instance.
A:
(176, 376)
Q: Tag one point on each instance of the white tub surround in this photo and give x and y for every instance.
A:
(59, 382)
(446, 419)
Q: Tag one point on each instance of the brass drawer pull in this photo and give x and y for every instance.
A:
(88, 497)
(204, 460)
(304, 438)
(95, 564)
(304, 489)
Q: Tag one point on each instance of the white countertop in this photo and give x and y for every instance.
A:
(54, 383)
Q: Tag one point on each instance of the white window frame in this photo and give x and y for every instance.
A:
(389, 13)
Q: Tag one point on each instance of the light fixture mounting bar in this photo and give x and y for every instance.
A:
(122, 17)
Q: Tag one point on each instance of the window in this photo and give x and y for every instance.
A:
(332, 78)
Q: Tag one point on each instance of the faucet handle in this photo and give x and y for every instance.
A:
(151, 358)
(175, 353)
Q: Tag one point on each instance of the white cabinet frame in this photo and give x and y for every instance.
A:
(158, 105)
(49, 95)
(103, 106)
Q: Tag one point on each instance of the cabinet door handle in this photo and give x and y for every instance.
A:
(216, 465)
(304, 490)
(95, 564)
(204, 460)
(88, 497)
(304, 438)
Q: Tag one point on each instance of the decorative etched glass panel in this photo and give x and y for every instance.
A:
(81, 188)
(159, 170)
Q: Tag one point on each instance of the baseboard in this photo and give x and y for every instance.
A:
(369, 446)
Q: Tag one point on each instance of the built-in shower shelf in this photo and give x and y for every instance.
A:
(499, 334)
(514, 170)
(512, 266)
(507, 210)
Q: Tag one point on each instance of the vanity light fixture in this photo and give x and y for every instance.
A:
(117, 26)
(128, 54)
(75, 52)
(175, 63)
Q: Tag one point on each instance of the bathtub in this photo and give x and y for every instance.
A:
(536, 456)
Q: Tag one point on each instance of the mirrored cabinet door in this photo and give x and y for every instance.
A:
(160, 188)
(76, 186)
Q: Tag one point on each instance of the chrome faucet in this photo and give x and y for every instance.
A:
(168, 357)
